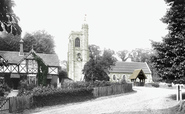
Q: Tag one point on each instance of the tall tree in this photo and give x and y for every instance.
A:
(40, 41)
(140, 55)
(8, 19)
(108, 58)
(97, 67)
(123, 55)
(9, 42)
(170, 58)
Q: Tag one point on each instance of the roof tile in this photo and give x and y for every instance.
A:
(129, 67)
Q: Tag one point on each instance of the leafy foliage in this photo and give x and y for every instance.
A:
(4, 88)
(40, 41)
(25, 87)
(174, 2)
(74, 92)
(42, 71)
(62, 74)
(9, 42)
(8, 19)
(140, 55)
(97, 67)
(46, 96)
(170, 58)
(123, 55)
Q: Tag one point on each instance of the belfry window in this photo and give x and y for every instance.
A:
(77, 42)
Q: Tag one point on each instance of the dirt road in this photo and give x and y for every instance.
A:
(144, 98)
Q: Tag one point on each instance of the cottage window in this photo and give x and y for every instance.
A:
(77, 42)
(32, 79)
(32, 66)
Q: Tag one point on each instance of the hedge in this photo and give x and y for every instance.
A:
(60, 96)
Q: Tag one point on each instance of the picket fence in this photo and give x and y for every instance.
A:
(18, 104)
(4, 105)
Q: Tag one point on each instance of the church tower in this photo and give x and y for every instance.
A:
(78, 52)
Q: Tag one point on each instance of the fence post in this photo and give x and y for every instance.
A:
(10, 107)
(179, 93)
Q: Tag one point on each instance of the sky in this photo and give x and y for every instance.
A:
(113, 24)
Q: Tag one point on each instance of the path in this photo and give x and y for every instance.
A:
(144, 99)
(13, 93)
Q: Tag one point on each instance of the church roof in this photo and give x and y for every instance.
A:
(129, 67)
(14, 57)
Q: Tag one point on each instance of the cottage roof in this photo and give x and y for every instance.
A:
(11, 56)
(14, 57)
(129, 67)
(138, 73)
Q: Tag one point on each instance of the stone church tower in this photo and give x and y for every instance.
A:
(78, 52)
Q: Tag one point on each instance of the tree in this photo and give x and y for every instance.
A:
(62, 74)
(108, 58)
(97, 67)
(122, 54)
(170, 58)
(140, 55)
(40, 41)
(174, 2)
(9, 42)
(8, 19)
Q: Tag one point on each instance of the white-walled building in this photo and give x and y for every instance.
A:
(123, 70)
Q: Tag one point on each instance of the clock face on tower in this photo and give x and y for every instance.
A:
(79, 58)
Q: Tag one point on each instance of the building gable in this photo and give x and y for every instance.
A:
(27, 63)
(137, 73)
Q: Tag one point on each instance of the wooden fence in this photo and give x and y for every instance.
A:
(112, 90)
(4, 104)
(18, 104)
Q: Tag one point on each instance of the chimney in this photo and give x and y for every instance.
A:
(21, 53)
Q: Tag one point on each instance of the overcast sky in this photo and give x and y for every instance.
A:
(113, 24)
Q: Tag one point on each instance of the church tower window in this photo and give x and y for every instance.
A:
(77, 42)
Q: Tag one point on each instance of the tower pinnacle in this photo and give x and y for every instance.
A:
(85, 19)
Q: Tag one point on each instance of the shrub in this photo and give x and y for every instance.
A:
(30, 86)
(45, 96)
(123, 81)
(1, 92)
(72, 85)
(54, 85)
(100, 83)
(155, 84)
(25, 88)
(179, 81)
(4, 88)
